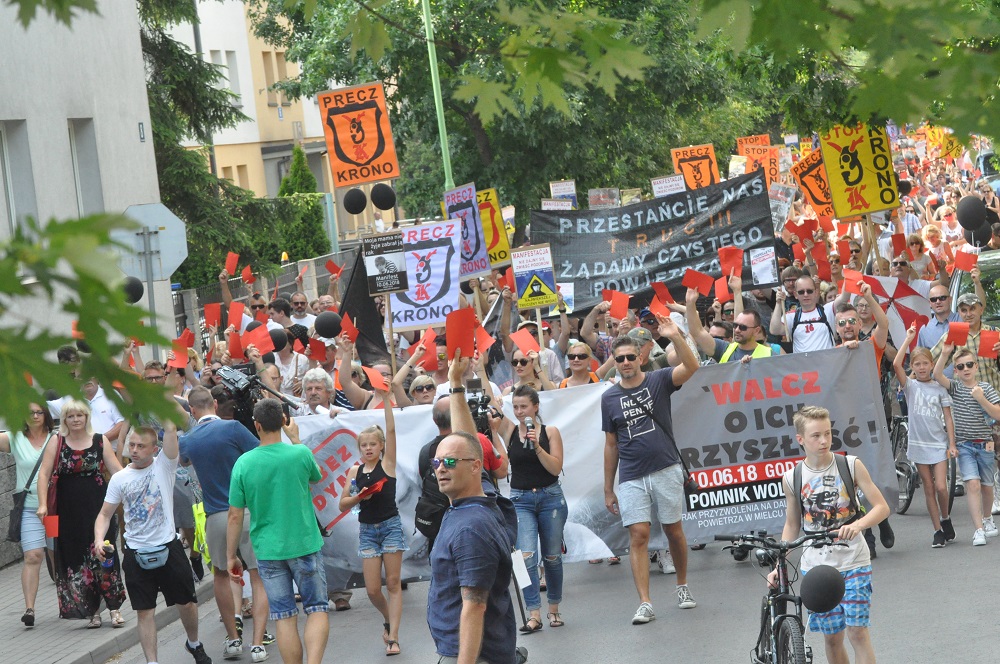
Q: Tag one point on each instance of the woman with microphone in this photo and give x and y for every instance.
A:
(536, 459)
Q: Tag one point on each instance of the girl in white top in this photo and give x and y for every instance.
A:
(26, 446)
(931, 434)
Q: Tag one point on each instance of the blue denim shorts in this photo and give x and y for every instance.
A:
(309, 576)
(384, 537)
(975, 462)
(854, 610)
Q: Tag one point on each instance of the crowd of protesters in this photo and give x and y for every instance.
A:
(222, 455)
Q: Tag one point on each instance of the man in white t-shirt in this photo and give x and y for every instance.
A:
(104, 415)
(154, 561)
(809, 326)
(300, 310)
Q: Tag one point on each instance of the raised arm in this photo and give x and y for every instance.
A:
(508, 304)
(461, 416)
(881, 334)
(702, 338)
(736, 286)
(402, 398)
(588, 328)
(389, 455)
(689, 363)
(897, 362)
(942, 362)
(227, 296)
(354, 393)
(777, 326)
(563, 341)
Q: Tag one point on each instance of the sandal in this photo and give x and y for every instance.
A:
(247, 609)
(614, 560)
(596, 561)
(389, 652)
(385, 634)
(95, 622)
(28, 618)
(116, 619)
(528, 629)
(555, 619)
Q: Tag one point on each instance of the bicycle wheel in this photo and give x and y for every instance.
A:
(899, 438)
(791, 647)
(952, 481)
(762, 651)
(906, 476)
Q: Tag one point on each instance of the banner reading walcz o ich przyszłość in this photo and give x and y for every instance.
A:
(629, 248)
(733, 425)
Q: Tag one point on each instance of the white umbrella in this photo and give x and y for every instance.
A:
(901, 304)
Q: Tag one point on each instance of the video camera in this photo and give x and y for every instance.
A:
(246, 388)
(479, 404)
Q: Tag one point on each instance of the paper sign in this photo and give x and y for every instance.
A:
(347, 327)
(483, 340)
(180, 358)
(385, 263)
(763, 158)
(604, 198)
(662, 292)
(376, 379)
(232, 260)
(236, 314)
(965, 260)
(743, 142)
(737, 166)
(859, 165)
(851, 279)
(556, 204)
(722, 293)
(700, 281)
(333, 268)
(260, 337)
(988, 339)
(534, 277)
(432, 263)
(667, 184)
(317, 350)
(619, 303)
(525, 341)
(460, 331)
(358, 137)
(497, 242)
(731, 261)
(810, 174)
(697, 164)
(213, 314)
(566, 190)
(460, 203)
(958, 334)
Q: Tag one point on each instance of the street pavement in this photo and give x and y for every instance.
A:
(930, 605)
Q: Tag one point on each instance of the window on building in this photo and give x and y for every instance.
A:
(242, 176)
(234, 78)
(227, 173)
(279, 60)
(86, 166)
(17, 184)
(272, 96)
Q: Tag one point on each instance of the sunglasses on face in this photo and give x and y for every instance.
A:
(296, 304)
(846, 321)
(627, 357)
(743, 328)
(855, 251)
(967, 365)
(258, 307)
(447, 462)
(916, 244)
(899, 263)
(523, 362)
(577, 356)
(425, 388)
(649, 321)
(939, 298)
(805, 291)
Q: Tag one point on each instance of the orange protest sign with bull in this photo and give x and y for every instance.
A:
(697, 164)
(358, 136)
(810, 174)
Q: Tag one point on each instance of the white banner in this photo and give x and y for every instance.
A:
(432, 257)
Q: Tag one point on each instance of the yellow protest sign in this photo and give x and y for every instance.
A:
(497, 243)
(950, 147)
(858, 163)
(534, 277)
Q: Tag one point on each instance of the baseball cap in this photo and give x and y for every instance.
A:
(645, 312)
(969, 299)
(640, 334)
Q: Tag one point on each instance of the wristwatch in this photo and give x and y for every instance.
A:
(456, 390)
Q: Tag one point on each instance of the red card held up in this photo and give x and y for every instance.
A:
(333, 268)
(988, 339)
(460, 331)
(898, 244)
(965, 261)
(298, 347)
(663, 293)
(347, 327)
(374, 488)
(844, 249)
(820, 252)
(525, 341)
(958, 334)
(429, 361)
(658, 308)
(303, 271)
(851, 279)
(796, 229)
(232, 260)
(722, 293)
(235, 347)
(376, 379)
(699, 281)
(187, 338)
(213, 314)
(318, 350)
(236, 314)
(260, 337)
(262, 317)
(731, 260)
(247, 275)
(180, 358)
(920, 321)
(823, 269)
(826, 223)
(483, 340)
(619, 303)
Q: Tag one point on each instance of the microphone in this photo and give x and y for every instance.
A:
(529, 425)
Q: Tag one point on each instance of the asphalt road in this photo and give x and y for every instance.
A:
(930, 605)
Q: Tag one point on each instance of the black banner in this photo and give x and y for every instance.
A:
(629, 248)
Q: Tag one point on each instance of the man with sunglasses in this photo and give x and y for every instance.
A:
(300, 310)
(936, 327)
(256, 304)
(641, 449)
(809, 327)
(900, 268)
(469, 609)
(744, 344)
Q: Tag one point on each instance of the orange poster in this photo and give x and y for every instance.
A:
(358, 136)
(810, 174)
(697, 164)
(743, 142)
(764, 157)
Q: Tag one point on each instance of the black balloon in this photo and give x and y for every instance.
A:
(279, 339)
(905, 187)
(355, 201)
(328, 324)
(133, 290)
(971, 212)
(383, 196)
(979, 237)
(466, 287)
(822, 589)
(253, 326)
(82, 346)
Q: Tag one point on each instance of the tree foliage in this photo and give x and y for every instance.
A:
(305, 236)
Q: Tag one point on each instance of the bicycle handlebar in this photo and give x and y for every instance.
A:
(775, 545)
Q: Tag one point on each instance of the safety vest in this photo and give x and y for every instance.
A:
(762, 350)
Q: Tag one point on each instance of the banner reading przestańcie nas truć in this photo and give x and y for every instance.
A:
(628, 248)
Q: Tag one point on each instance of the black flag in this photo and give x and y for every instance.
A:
(364, 314)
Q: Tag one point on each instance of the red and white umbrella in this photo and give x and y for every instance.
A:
(901, 304)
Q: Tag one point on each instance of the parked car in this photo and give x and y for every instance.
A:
(989, 269)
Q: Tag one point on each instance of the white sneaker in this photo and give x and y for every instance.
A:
(644, 614)
(232, 649)
(979, 539)
(990, 528)
(666, 563)
(996, 505)
(258, 654)
(684, 598)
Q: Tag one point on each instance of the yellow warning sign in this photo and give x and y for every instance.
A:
(535, 278)
(537, 294)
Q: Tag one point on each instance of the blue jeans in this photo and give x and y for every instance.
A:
(541, 513)
(975, 463)
(310, 578)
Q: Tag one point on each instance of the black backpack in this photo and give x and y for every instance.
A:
(844, 470)
(797, 320)
(432, 504)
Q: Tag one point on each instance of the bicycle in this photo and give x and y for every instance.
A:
(780, 640)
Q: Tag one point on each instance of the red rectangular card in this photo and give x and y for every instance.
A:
(898, 244)
(260, 337)
(317, 350)
(261, 316)
(844, 249)
(506, 280)
(843, 229)
(430, 360)
(731, 261)
(187, 337)
(347, 327)
(820, 252)
(809, 227)
(525, 341)
(826, 223)
(658, 308)
(823, 269)
(483, 340)
(958, 334)
(988, 339)
(376, 379)
(333, 268)
(460, 331)
(236, 314)
(663, 293)
(235, 347)
(372, 489)
(796, 229)
(303, 271)
(232, 260)
(722, 293)
(851, 279)
(619, 303)
(965, 260)
(247, 275)
(699, 281)
(213, 314)
(799, 252)
(298, 347)
(180, 359)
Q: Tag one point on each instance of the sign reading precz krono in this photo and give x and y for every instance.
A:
(358, 136)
